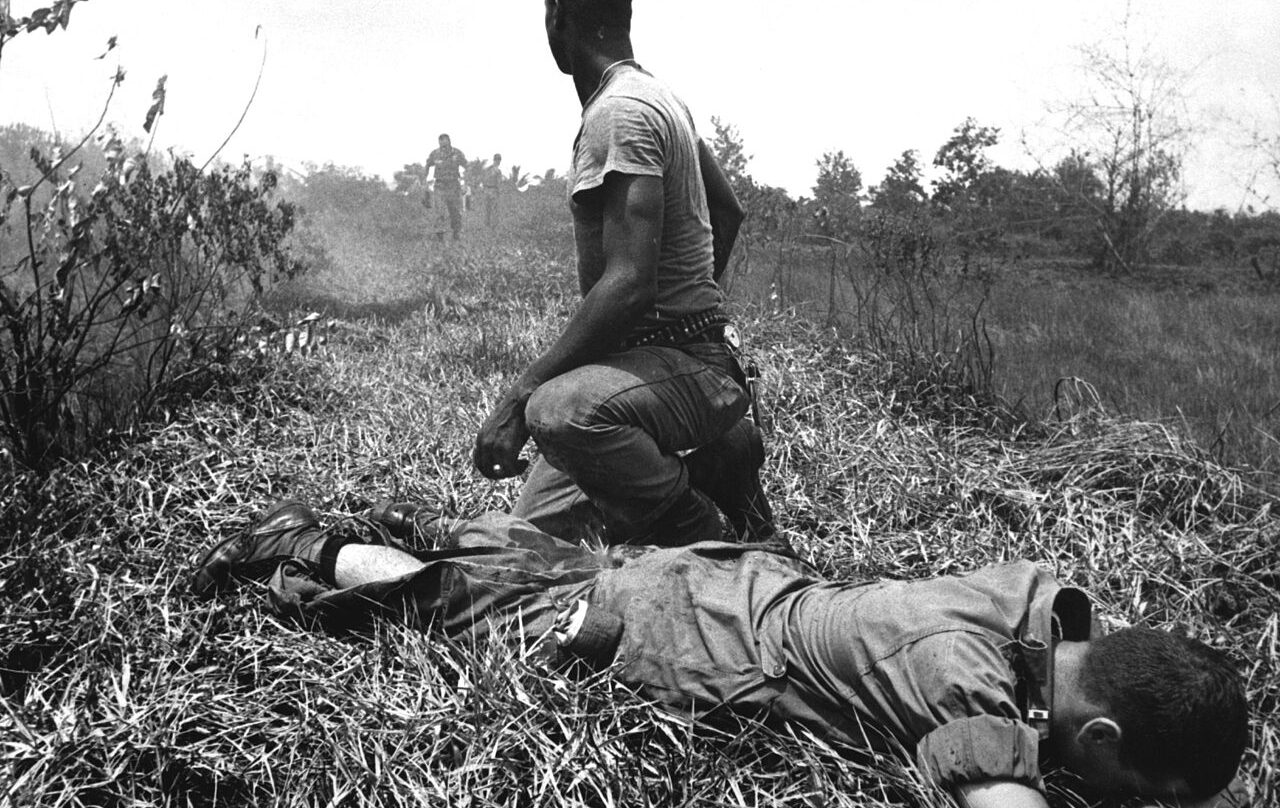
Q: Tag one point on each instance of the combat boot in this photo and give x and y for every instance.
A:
(289, 529)
(397, 517)
(413, 525)
(728, 471)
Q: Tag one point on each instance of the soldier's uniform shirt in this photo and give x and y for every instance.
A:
(491, 179)
(449, 164)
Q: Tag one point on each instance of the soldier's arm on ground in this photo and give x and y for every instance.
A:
(726, 212)
(631, 238)
(999, 794)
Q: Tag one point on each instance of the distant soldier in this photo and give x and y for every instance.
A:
(491, 188)
(450, 166)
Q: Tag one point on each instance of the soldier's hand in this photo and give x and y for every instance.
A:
(498, 444)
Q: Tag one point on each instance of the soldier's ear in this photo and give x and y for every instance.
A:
(1100, 730)
(555, 14)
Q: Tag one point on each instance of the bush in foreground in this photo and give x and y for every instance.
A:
(126, 294)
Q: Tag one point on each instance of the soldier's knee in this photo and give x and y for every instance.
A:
(556, 413)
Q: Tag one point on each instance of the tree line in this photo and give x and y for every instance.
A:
(1079, 207)
(1114, 195)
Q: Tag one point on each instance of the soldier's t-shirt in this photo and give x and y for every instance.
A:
(449, 163)
(491, 179)
(634, 124)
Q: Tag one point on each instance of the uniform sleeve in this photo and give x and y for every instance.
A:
(619, 134)
(968, 721)
(978, 748)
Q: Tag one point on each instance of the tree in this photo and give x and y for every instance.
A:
(767, 207)
(901, 190)
(965, 164)
(411, 178)
(1263, 138)
(518, 179)
(1129, 129)
(837, 194)
(730, 153)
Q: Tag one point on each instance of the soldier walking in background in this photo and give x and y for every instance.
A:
(449, 165)
(643, 372)
(491, 189)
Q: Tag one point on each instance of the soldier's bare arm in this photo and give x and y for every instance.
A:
(631, 237)
(726, 212)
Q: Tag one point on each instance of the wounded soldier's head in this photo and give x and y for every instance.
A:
(1148, 713)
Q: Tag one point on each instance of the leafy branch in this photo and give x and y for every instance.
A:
(50, 19)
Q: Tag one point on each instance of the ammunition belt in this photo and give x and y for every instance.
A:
(703, 326)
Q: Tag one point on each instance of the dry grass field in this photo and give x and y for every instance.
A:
(121, 689)
(1193, 348)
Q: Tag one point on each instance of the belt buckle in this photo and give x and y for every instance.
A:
(731, 337)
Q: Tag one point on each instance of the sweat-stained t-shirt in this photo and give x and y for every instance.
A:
(634, 124)
(955, 671)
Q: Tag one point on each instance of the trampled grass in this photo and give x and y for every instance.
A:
(122, 689)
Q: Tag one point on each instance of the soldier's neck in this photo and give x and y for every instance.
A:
(590, 69)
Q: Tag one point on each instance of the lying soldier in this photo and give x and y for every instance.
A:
(978, 675)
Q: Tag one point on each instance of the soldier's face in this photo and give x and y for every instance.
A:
(557, 35)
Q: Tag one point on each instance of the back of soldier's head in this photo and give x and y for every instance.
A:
(1179, 703)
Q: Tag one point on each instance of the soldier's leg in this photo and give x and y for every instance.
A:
(551, 501)
(615, 428)
(358, 564)
(728, 471)
(455, 216)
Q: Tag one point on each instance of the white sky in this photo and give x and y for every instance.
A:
(371, 84)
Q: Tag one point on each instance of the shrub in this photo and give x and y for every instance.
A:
(127, 293)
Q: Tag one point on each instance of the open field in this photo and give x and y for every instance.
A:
(121, 689)
(1194, 348)
(1196, 351)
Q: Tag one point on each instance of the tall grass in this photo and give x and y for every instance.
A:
(119, 688)
(1205, 362)
(1193, 349)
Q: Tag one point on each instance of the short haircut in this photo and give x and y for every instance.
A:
(1179, 703)
(497, 157)
(614, 14)
(444, 136)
